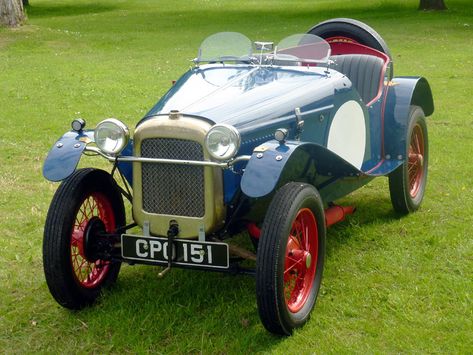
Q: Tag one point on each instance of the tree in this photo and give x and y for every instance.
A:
(432, 5)
(26, 2)
(11, 13)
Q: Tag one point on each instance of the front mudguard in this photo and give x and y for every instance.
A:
(64, 156)
(273, 164)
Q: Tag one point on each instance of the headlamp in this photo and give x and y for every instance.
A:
(222, 141)
(111, 136)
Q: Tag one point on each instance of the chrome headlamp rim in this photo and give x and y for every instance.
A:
(124, 136)
(233, 133)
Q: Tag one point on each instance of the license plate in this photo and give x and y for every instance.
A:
(184, 252)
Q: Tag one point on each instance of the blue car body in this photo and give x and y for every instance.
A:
(259, 105)
(263, 141)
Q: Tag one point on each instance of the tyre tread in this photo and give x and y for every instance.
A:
(57, 271)
(269, 248)
(398, 179)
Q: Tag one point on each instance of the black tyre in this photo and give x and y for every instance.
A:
(89, 198)
(352, 30)
(407, 183)
(290, 258)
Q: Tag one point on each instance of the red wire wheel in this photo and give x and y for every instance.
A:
(90, 274)
(407, 183)
(301, 260)
(87, 203)
(290, 258)
(415, 164)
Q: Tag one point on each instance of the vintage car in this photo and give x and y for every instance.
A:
(255, 140)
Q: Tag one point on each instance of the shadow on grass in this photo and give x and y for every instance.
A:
(185, 312)
(42, 11)
(370, 211)
(192, 311)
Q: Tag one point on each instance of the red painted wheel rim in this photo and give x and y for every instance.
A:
(90, 274)
(416, 161)
(299, 272)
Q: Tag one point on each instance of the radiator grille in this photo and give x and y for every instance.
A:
(170, 188)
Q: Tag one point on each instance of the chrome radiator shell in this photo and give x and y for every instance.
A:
(191, 195)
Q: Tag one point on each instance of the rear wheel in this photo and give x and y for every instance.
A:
(290, 258)
(407, 183)
(85, 204)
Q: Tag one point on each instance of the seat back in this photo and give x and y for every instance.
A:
(364, 71)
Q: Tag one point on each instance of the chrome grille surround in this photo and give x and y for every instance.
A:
(191, 195)
(169, 188)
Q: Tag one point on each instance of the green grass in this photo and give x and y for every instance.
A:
(390, 284)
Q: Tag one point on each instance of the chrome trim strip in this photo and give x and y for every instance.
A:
(168, 161)
(171, 161)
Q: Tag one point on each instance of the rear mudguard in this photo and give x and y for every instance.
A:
(273, 165)
(403, 93)
(64, 156)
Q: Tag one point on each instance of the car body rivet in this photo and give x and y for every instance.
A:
(59, 145)
(388, 156)
(77, 145)
(321, 118)
(399, 157)
(279, 157)
(259, 155)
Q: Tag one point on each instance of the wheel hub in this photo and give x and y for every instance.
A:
(92, 232)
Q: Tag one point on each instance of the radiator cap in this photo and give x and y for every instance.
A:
(174, 115)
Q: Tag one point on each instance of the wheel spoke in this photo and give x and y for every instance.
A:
(417, 143)
(294, 263)
(296, 233)
(93, 208)
(293, 243)
(415, 165)
(76, 237)
(75, 263)
(306, 239)
(90, 274)
(301, 256)
(90, 209)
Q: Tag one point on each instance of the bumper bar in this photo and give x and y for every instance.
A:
(130, 159)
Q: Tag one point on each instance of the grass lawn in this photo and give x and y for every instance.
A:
(390, 285)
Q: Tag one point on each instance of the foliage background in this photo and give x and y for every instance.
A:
(390, 285)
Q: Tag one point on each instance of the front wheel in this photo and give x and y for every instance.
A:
(407, 183)
(85, 204)
(290, 258)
